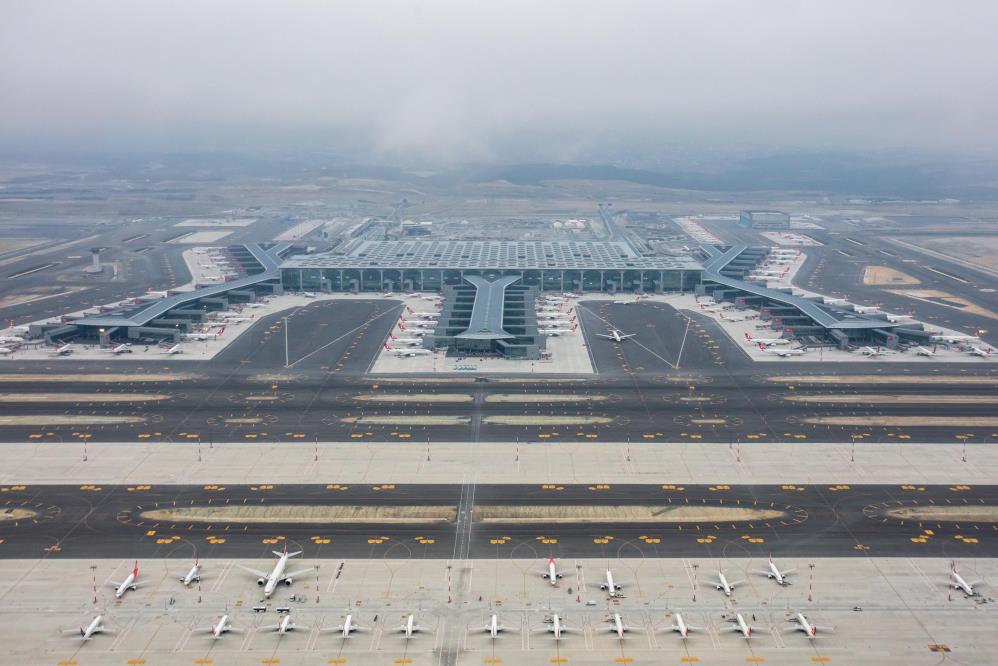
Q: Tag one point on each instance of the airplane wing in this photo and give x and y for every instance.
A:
(608, 337)
(732, 584)
(280, 554)
(300, 572)
(629, 335)
(255, 572)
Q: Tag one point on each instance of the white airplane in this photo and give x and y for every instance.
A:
(619, 627)
(277, 575)
(555, 627)
(253, 305)
(205, 335)
(569, 295)
(622, 302)
(119, 349)
(348, 627)
(866, 309)
(411, 342)
(774, 573)
(741, 626)
(978, 351)
(724, 585)
(222, 627)
(681, 628)
(410, 627)
(494, 628)
(96, 626)
(130, 582)
(423, 315)
(193, 575)
(553, 315)
(175, 349)
(6, 350)
(801, 623)
(416, 323)
(871, 352)
(11, 339)
(309, 294)
(616, 336)
(557, 332)
(957, 582)
(285, 626)
(783, 352)
(922, 351)
(552, 574)
(64, 350)
(408, 352)
(612, 589)
(950, 339)
(734, 318)
(767, 341)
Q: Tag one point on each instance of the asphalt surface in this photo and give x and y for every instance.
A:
(837, 520)
(715, 393)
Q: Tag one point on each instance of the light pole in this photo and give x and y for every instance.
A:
(286, 360)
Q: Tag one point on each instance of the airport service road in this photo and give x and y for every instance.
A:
(499, 521)
(212, 402)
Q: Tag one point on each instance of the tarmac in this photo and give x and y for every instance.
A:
(901, 613)
(142, 521)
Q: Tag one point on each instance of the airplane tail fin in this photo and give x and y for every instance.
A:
(136, 569)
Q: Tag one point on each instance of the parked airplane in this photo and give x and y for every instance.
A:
(130, 582)
(783, 352)
(411, 342)
(740, 625)
(410, 627)
(618, 627)
(871, 352)
(222, 627)
(408, 352)
(769, 342)
(286, 626)
(978, 351)
(957, 582)
(6, 350)
(11, 339)
(774, 573)
(175, 349)
(612, 589)
(723, 584)
(556, 332)
(64, 350)
(552, 573)
(616, 335)
(922, 351)
(553, 315)
(494, 628)
(681, 627)
(277, 575)
(951, 339)
(119, 349)
(555, 627)
(96, 626)
(348, 627)
(801, 623)
(193, 575)
(309, 294)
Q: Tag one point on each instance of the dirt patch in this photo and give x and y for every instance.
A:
(425, 420)
(521, 420)
(980, 250)
(414, 397)
(95, 378)
(666, 513)
(884, 275)
(971, 514)
(44, 420)
(82, 397)
(945, 299)
(885, 399)
(882, 379)
(13, 515)
(905, 421)
(303, 514)
(542, 397)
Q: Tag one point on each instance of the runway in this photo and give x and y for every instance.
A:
(506, 521)
(682, 379)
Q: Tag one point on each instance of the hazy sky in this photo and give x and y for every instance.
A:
(479, 80)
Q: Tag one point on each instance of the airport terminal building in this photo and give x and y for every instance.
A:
(420, 265)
